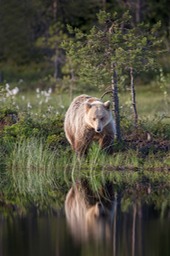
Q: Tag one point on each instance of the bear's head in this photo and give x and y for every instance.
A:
(97, 212)
(98, 222)
(97, 115)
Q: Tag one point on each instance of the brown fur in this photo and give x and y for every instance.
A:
(85, 217)
(86, 120)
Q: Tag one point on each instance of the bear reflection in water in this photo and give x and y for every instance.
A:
(87, 217)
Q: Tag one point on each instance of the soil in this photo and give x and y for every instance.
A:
(145, 143)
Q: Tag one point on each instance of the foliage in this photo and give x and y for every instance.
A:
(113, 40)
(22, 122)
(14, 35)
(27, 76)
(51, 130)
(25, 25)
(52, 42)
(39, 15)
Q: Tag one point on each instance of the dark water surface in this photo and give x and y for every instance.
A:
(142, 230)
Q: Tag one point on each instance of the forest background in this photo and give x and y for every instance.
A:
(32, 32)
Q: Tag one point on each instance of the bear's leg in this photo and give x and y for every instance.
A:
(81, 149)
(81, 146)
(106, 143)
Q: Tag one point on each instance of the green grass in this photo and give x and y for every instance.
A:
(34, 174)
(32, 167)
(151, 102)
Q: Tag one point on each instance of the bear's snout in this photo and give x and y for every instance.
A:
(98, 129)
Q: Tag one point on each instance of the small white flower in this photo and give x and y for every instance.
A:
(29, 105)
(7, 86)
(38, 90)
(50, 108)
(15, 91)
(8, 90)
(20, 81)
(8, 94)
(49, 90)
(46, 94)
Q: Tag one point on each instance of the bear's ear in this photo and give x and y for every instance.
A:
(107, 104)
(87, 106)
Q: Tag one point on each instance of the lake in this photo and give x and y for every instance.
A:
(139, 230)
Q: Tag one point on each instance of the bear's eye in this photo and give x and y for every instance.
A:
(94, 118)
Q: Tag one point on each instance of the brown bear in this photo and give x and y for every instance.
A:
(87, 217)
(88, 119)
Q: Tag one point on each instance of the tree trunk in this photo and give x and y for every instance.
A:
(138, 10)
(54, 9)
(133, 94)
(116, 101)
(134, 229)
(104, 4)
(115, 225)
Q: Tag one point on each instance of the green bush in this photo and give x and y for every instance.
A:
(49, 129)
